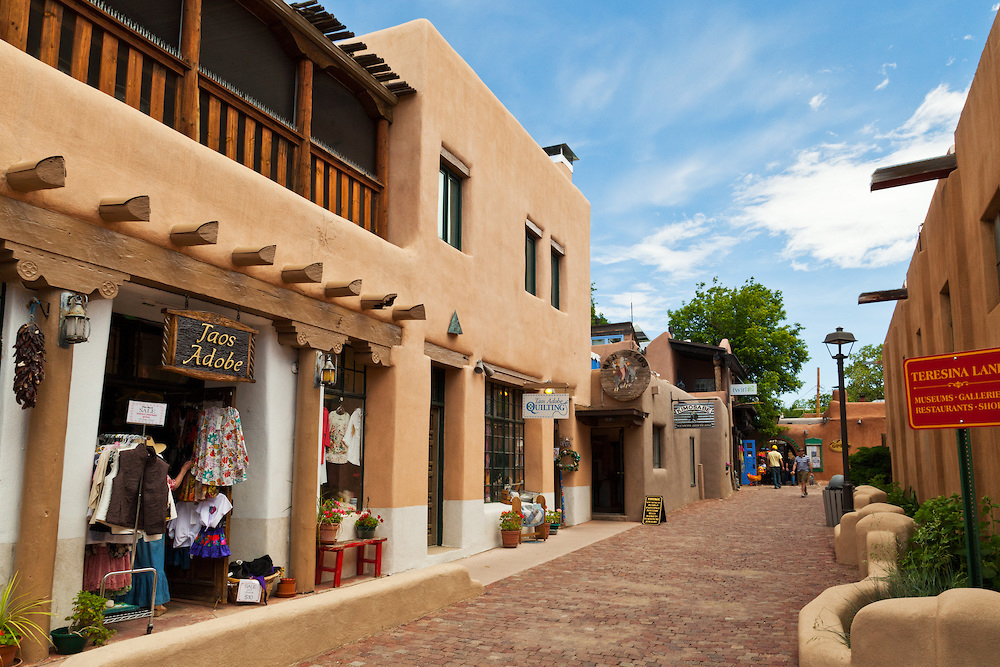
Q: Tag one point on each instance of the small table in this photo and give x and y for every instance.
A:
(322, 548)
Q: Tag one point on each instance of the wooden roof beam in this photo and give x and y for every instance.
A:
(352, 288)
(914, 172)
(254, 256)
(43, 174)
(206, 233)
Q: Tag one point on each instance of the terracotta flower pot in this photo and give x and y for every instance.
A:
(510, 538)
(328, 532)
(542, 531)
(7, 655)
(286, 588)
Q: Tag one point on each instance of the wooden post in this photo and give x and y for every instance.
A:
(305, 464)
(41, 485)
(14, 22)
(189, 116)
(382, 173)
(303, 123)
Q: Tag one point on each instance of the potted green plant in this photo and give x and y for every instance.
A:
(366, 523)
(16, 620)
(510, 529)
(87, 623)
(331, 513)
(554, 519)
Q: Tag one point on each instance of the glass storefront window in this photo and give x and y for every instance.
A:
(344, 436)
(504, 441)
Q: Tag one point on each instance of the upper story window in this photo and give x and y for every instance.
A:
(453, 172)
(532, 234)
(556, 274)
(604, 340)
(449, 208)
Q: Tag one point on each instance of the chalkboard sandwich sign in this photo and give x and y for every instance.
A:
(652, 510)
(207, 346)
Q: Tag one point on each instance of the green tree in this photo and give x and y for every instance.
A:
(595, 317)
(753, 318)
(863, 376)
(803, 405)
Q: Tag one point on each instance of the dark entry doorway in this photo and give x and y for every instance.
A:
(608, 471)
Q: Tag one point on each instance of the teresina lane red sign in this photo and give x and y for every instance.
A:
(957, 390)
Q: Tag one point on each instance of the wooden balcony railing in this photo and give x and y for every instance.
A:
(343, 190)
(124, 61)
(95, 49)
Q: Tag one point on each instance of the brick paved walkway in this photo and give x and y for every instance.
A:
(720, 582)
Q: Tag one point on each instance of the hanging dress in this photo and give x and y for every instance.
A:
(220, 452)
(336, 450)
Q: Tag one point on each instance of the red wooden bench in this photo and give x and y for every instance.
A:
(323, 548)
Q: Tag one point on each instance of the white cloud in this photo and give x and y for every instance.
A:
(885, 74)
(995, 8)
(817, 101)
(821, 204)
(968, 38)
(680, 249)
(661, 185)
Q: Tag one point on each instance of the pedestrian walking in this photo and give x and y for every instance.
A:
(774, 462)
(803, 470)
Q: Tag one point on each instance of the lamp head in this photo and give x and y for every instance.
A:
(839, 338)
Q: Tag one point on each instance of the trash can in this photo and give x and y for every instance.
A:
(833, 505)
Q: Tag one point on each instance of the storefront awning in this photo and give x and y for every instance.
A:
(611, 417)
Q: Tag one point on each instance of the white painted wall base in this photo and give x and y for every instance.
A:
(578, 505)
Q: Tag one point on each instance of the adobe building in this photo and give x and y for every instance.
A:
(952, 288)
(649, 436)
(247, 215)
(820, 436)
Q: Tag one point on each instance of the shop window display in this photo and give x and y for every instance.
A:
(202, 453)
(342, 469)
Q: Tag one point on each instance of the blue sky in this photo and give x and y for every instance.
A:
(730, 139)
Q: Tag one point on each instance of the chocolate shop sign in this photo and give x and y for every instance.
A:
(207, 346)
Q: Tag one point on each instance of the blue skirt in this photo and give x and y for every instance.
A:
(148, 554)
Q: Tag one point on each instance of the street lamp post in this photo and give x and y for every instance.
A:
(841, 338)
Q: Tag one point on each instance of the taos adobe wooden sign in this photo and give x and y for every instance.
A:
(957, 390)
(207, 346)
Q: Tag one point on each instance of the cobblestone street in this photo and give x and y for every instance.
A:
(719, 582)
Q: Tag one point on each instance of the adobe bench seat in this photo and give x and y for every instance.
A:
(323, 548)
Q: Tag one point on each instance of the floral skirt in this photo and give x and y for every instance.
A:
(211, 543)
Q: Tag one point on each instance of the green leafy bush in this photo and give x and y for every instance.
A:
(870, 465)
(88, 618)
(938, 545)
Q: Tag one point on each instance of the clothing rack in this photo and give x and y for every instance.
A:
(131, 612)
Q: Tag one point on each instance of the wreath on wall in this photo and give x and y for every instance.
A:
(574, 463)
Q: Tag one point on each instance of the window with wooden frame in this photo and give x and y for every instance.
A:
(504, 441)
(657, 446)
(556, 274)
(532, 234)
(694, 464)
(450, 208)
(990, 243)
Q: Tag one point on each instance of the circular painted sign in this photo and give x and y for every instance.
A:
(624, 375)
(836, 446)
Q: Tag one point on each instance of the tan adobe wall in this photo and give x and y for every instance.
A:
(953, 293)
